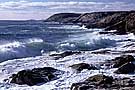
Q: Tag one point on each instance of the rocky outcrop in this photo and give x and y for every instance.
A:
(102, 82)
(124, 64)
(122, 21)
(35, 76)
(81, 66)
(64, 54)
(102, 19)
(130, 23)
(126, 69)
(119, 26)
(125, 25)
(119, 61)
(63, 17)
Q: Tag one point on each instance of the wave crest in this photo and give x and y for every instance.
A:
(19, 49)
(92, 43)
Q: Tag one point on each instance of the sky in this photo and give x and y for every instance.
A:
(42, 9)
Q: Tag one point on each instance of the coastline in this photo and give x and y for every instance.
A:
(71, 78)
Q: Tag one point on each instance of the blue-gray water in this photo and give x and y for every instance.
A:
(20, 39)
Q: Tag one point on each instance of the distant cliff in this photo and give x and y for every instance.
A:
(63, 17)
(122, 21)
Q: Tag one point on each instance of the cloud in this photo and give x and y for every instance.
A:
(66, 6)
(31, 8)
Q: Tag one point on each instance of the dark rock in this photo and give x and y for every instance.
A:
(129, 51)
(122, 21)
(35, 76)
(102, 82)
(107, 32)
(93, 82)
(81, 66)
(64, 54)
(125, 25)
(91, 18)
(82, 86)
(119, 61)
(102, 52)
(28, 77)
(107, 19)
(130, 23)
(100, 79)
(126, 69)
(63, 17)
(119, 26)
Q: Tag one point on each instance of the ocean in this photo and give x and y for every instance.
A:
(28, 44)
(20, 39)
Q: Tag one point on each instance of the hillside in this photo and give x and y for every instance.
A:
(122, 21)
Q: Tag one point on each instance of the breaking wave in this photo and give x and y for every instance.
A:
(86, 43)
(19, 49)
(37, 41)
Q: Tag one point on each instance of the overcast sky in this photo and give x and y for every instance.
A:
(41, 9)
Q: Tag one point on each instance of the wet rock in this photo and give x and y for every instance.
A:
(125, 25)
(93, 82)
(35, 76)
(81, 86)
(119, 26)
(81, 66)
(64, 54)
(126, 69)
(27, 77)
(100, 79)
(129, 51)
(130, 23)
(119, 61)
(102, 52)
(102, 82)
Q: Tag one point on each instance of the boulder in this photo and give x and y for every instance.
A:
(81, 66)
(100, 79)
(35, 76)
(64, 54)
(126, 69)
(119, 61)
(28, 77)
(103, 82)
(93, 82)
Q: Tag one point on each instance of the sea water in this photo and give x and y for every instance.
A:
(19, 39)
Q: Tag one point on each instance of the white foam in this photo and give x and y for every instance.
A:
(66, 27)
(16, 49)
(64, 82)
(34, 40)
(16, 44)
(90, 41)
(9, 46)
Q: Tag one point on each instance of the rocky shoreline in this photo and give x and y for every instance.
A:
(124, 65)
(122, 21)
